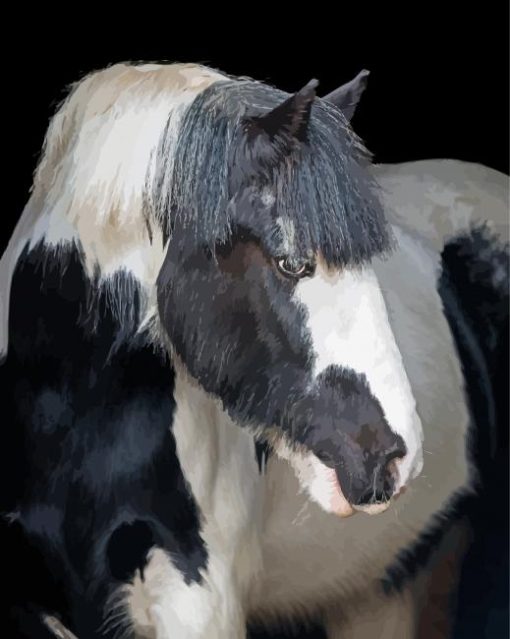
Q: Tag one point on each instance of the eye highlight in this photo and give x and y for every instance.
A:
(294, 268)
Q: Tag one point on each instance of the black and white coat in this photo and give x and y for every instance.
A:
(139, 498)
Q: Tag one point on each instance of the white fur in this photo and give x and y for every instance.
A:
(288, 235)
(218, 460)
(317, 479)
(165, 603)
(439, 199)
(349, 327)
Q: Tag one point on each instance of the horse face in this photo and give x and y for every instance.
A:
(304, 351)
(294, 344)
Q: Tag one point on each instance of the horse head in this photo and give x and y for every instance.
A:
(267, 293)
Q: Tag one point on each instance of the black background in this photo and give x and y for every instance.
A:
(438, 89)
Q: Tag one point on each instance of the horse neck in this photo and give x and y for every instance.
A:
(217, 456)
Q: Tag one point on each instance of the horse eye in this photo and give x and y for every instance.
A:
(294, 269)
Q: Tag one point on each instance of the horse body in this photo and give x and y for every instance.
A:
(254, 543)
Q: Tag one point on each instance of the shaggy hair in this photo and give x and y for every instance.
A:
(321, 186)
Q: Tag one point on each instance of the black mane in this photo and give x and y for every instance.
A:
(323, 186)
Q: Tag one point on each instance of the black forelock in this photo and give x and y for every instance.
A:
(322, 186)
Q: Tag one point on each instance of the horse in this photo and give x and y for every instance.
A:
(231, 349)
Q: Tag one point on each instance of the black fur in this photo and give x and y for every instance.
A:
(262, 454)
(474, 289)
(477, 274)
(321, 185)
(90, 476)
(295, 629)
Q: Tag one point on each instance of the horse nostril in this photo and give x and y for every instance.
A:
(383, 483)
(397, 451)
(373, 497)
(371, 479)
(391, 466)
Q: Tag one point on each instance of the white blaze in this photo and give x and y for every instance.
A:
(349, 327)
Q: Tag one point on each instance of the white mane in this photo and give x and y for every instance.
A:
(91, 185)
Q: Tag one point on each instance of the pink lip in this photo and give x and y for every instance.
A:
(338, 503)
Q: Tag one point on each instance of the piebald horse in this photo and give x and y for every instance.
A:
(227, 339)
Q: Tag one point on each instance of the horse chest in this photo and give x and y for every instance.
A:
(219, 465)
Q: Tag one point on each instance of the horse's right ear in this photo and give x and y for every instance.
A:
(347, 96)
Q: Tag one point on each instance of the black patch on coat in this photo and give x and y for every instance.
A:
(262, 454)
(127, 549)
(479, 277)
(88, 456)
(474, 289)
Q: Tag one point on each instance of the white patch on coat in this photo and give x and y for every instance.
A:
(91, 185)
(349, 327)
(164, 603)
(218, 461)
(267, 197)
(319, 481)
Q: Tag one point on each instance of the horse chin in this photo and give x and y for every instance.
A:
(325, 489)
(322, 485)
(317, 479)
(373, 509)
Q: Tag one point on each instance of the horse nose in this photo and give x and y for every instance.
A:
(383, 481)
(375, 481)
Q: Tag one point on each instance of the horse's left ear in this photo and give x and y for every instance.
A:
(347, 96)
(289, 120)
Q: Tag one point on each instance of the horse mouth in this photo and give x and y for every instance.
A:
(320, 480)
(340, 506)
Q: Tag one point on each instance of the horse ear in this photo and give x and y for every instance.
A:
(347, 96)
(289, 120)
